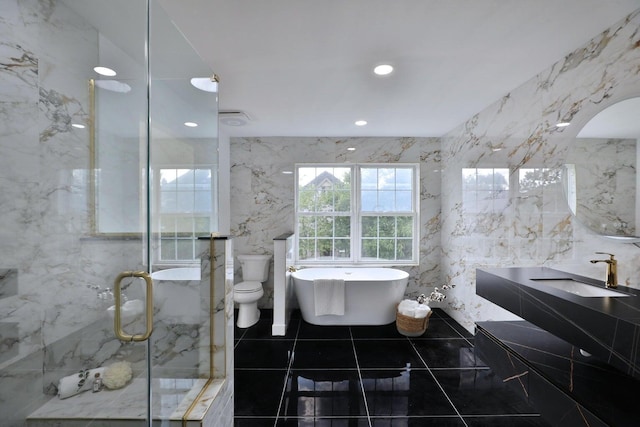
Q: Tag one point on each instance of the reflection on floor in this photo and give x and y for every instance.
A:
(368, 376)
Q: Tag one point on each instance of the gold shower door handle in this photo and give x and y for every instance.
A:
(117, 321)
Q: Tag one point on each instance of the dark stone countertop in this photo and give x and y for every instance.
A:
(607, 327)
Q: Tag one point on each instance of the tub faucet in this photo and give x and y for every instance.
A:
(612, 270)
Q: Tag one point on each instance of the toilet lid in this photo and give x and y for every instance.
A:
(247, 287)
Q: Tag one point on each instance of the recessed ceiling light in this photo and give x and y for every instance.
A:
(104, 71)
(287, 172)
(351, 149)
(562, 124)
(191, 124)
(383, 69)
(361, 122)
(77, 125)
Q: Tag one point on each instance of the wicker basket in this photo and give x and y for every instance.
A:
(411, 326)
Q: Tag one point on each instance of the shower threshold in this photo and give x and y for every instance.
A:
(172, 397)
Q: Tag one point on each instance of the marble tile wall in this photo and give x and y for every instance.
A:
(262, 198)
(534, 228)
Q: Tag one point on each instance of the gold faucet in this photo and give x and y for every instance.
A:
(612, 270)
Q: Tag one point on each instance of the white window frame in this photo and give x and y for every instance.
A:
(356, 216)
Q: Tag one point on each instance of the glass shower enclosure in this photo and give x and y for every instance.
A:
(108, 176)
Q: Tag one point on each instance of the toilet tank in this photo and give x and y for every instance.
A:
(254, 267)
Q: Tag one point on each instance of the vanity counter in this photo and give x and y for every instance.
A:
(607, 327)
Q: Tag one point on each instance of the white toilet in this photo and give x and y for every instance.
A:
(255, 270)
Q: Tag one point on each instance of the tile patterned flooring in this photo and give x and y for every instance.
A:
(369, 376)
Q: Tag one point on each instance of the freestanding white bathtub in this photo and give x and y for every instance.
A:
(371, 294)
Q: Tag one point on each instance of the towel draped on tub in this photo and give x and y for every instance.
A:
(329, 296)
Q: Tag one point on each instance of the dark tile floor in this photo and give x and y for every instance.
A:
(368, 376)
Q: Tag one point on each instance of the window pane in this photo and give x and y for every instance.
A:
(369, 179)
(387, 226)
(307, 201)
(343, 248)
(405, 249)
(404, 179)
(307, 226)
(369, 201)
(386, 179)
(404, 201)
(387, 249)
(369, 226)
(325, 248)
(306, 249)
(369, 248)
(325, 227)
(386, 201)
(405, 226)
(342, 226)
(342, 200)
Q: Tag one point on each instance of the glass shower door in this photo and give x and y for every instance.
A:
(86, 157)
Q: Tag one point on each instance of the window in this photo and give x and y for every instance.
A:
(186, 209)
(357, 214)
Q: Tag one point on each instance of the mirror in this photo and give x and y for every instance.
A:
(601, 177)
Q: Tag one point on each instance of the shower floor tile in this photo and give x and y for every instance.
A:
(368, 376)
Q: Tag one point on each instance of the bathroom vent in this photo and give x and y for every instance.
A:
(233, 117)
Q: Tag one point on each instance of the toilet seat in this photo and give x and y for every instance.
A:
(247, 287)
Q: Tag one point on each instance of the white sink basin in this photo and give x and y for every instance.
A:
(579, 288)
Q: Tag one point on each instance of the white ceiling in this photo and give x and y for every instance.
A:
(304, 67)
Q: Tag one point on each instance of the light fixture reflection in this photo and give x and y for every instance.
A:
(113, 86)
(562, 124)
(207, 84)
(361, 122)
(77, 125)
(104, 71)
(191, 124)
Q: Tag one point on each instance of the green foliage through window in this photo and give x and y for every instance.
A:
(376, 202)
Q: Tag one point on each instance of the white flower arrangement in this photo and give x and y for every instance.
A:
(117, 375)
(436, 295)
